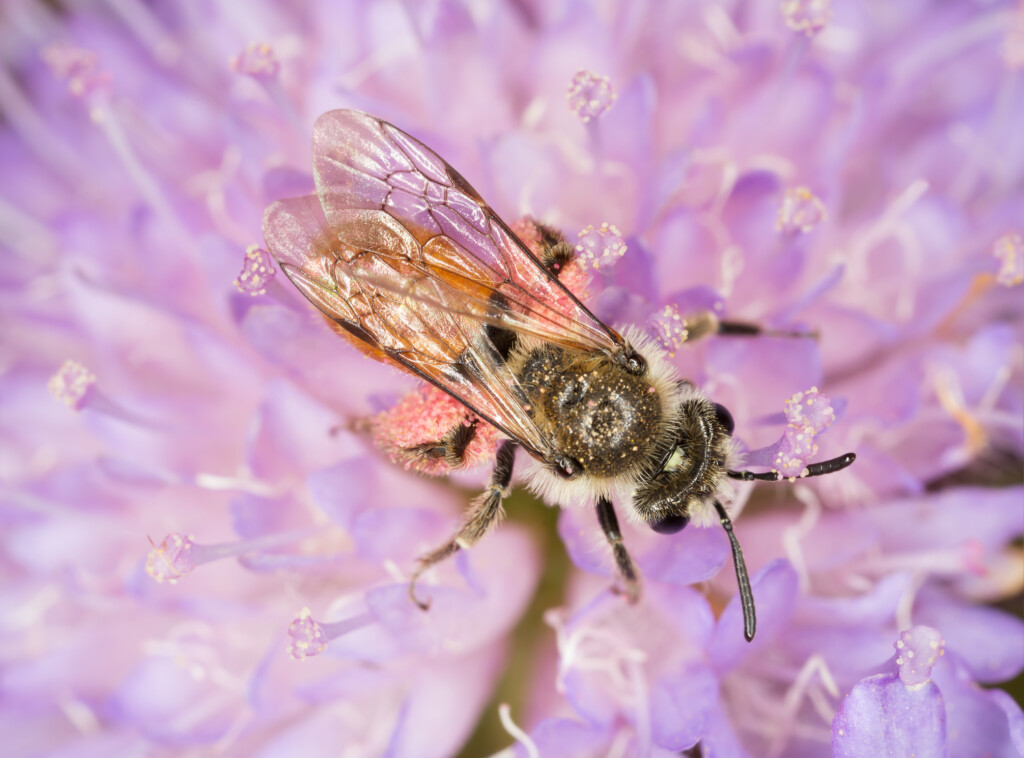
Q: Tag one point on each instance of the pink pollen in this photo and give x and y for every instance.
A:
(575, 279)
(425, 416)
(571, 274)
(526, 230)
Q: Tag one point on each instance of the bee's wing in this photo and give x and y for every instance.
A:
(403, 255)
(398, 308)
(366, 170)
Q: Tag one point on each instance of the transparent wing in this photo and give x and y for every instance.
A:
(362, 293)
(403, 255)
(366, 168)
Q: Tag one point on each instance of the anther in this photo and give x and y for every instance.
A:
(308, 637)
(800, 211)
(258, 61)
(600, 247)
(590, 95)
(178, 555)
(257, 271)
(71, 384)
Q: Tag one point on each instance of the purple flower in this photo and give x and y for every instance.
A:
(845, 176)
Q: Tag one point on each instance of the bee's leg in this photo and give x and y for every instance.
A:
(555, 252)
(451, 447)
(610, 525)
(557, 256)
(705, 323)
(483, 515)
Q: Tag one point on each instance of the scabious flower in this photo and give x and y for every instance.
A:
(203, 549)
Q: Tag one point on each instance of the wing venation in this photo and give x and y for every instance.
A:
(403, 254)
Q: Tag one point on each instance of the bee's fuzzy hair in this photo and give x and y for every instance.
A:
(586, 490)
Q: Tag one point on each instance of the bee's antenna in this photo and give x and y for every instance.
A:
(742, 579)
(815, 469)
(742, 329)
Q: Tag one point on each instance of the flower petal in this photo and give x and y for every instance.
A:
(775, 589)
(883, 717)
(680, 702)
(979, 725)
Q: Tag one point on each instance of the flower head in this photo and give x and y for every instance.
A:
(813, 207)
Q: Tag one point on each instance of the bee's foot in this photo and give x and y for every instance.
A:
(423, 605)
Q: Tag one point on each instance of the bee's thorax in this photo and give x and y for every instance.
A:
(592, 409)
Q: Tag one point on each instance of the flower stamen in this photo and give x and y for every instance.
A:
(600, 247)
(1009, 250)
(590, 95)
(309, 637)
(517, 733)
(807, 16)
(800, 211)
(71, 384)
(178, 555)
(950, 396)
(917, 651)
(802, 685)
(670, 329)
(792, 535)
(257, 271)
(258, 61)
(608, 652)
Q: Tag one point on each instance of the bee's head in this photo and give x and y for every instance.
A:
(690, 468)
(688, 473)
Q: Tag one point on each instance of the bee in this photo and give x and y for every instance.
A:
(407, 261)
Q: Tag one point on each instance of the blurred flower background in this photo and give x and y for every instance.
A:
(854, 169)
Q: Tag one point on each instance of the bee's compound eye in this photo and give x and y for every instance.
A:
(670, 524)
(724, 418)
(636, 364)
